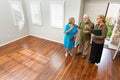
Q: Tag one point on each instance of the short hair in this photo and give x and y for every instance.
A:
(85, 15)
(70, 20)
(102, 17)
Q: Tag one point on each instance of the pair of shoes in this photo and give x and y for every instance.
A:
(66, 54)
(83, 56)
(90, 62)
(70, 54)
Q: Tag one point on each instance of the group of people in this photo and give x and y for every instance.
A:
(86, 36)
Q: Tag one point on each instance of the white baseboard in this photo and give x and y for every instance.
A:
(28, 35)
(13, 40)
(46, 38)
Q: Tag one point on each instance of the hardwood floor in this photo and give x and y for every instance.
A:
(32, 58)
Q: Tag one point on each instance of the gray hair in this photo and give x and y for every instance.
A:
(85, 15)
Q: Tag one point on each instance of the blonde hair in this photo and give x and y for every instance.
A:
(102, 17)
(70, 20)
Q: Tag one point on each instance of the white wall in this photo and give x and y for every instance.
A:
(81, 11)
(97, 7)
(9, 32)
(72, 9)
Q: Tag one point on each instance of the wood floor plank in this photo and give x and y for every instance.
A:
(33, 58)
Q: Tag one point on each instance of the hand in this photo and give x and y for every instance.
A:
(87, 32)
(75, 36)
(93, 36)
(71, 27)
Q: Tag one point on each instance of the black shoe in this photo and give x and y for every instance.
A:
(89, 62)
(78, 53)
(97, 62)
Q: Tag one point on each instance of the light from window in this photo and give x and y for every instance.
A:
(35, 9)
(113, 11)
(57, 14)
(17, 12)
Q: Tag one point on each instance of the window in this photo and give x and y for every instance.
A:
(35, 12)
(113, 23)
(17, 12)
(113, 11)
(57, 14)
(112, 18)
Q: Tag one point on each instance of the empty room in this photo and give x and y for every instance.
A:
(59, 39)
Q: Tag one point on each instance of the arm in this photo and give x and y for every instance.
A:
(86, 32)
(76, 33)
(66, 32)
(67, 29)
(90, 28)
(79, 26)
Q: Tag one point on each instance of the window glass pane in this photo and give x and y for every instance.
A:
(35, 9)
(17, 12)
(57, 14)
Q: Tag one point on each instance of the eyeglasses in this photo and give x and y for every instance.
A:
(98, 18)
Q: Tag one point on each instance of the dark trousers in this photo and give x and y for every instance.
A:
(96, 52)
